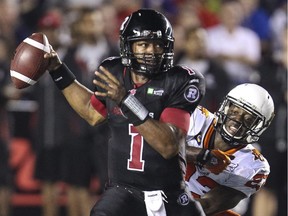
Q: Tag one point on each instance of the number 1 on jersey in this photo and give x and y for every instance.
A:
(135, 161)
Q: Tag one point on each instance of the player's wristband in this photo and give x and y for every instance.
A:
(62, 76)
(203, 156)
(133, 109)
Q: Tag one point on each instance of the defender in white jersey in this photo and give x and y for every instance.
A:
(223, 167)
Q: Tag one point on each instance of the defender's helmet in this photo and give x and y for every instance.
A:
(146, 24)
(256, 101)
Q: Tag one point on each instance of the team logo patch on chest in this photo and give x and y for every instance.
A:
(191, 93)
(155, 91)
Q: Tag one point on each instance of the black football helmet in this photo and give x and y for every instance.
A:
(146, 24)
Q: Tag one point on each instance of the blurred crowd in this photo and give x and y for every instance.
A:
(229, 41)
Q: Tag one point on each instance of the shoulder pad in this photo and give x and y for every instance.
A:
(185, 71)
(183, 68)
(111, 61)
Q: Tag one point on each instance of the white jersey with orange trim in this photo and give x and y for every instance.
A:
(247, 172)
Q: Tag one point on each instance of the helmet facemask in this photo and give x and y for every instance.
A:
(148, 63)
(235, 132)
(259, 113)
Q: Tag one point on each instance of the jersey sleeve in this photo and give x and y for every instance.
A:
(188, 88)
(177, 117)
(250, 171)
(248, 185)
(98, 105)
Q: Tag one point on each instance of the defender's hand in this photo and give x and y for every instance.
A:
(114, 89)
(218, 161)
(214, 160)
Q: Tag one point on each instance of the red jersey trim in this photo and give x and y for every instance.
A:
(98, 106)
(177, 117)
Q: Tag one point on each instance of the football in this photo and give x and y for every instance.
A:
(28, 63)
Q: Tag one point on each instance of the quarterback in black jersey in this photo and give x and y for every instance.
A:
(147, 102)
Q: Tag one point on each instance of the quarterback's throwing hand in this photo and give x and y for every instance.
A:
(214, 160)
(54, 60)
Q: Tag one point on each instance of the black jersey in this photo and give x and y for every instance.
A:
(132, 161)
